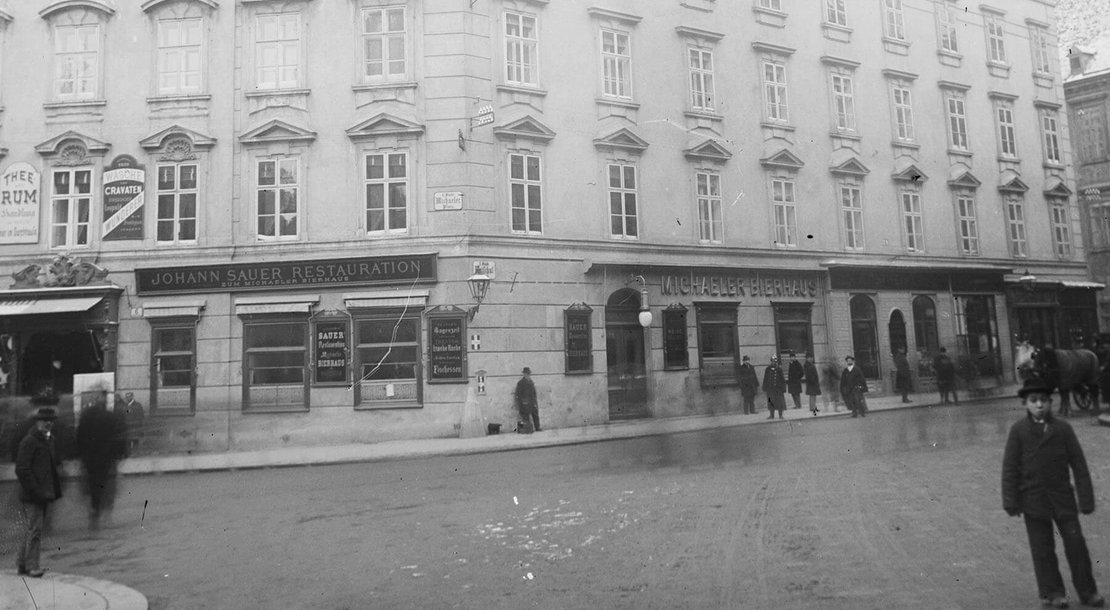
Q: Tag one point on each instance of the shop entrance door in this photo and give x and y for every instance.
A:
(624, 354)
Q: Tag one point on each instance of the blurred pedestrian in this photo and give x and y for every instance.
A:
(813, 382)
(853, 385)
(945, 370)
(36, 467)
(525, 396)
(101, 444)
(132, 414)
(794, 375)
(832, 385)
(1041, 459)
(903, 379)
(749, 384)
(774, 386)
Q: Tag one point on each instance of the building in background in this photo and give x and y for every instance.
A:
(262, 215)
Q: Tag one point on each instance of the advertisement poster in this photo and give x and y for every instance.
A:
(19, 204)
(124, 184)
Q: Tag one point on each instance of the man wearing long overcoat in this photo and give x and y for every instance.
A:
(749, 384)
(853, 385)
(795, 374)
(774, 386)
(36, 467)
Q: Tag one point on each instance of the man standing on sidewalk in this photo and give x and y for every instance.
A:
(774, 386)
(525, 394)
(853, 385)
(813, 382)
(36, 467)
(1036, 483)
(749, 384)
(794, 376)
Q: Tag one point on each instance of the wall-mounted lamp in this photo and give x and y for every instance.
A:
(479, 285)
(645, 313)
(1028, 281)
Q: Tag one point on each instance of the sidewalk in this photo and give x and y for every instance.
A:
(56, 591)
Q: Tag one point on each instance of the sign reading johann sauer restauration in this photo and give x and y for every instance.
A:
(234, 277)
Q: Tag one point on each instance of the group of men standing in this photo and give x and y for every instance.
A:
(849, 384)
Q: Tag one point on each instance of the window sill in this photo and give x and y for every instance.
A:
(277, 92)
(846, 135)
(577, 373)
(522, 89)
(1050, 165)
(1007, 159)
(704, 114)
(905, 144)
(389, 404)
(959, 153)
(172, 413)
(75, 104)
(677, 368)
(616, 101)
(949, 58)
(1000, 70)
(896, 46)
(839, 33)
(769, 16)
(385, 85)
(185, 97)
(1043, 80)
(273, 410)
(777, 125)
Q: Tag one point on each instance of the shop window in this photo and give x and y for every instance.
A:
(793, 328)
(387, 358)
(275, 360)
(578, 339)
(717, 347)
(676, 355)
(925, 333)
(978, 352)
(865, 336)
(172, 366)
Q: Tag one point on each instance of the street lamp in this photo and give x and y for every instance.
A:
(479, 285)
(1028, 281)
(645, 313)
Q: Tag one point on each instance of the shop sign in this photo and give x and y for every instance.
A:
(412, 269)
(698, 284)
(452, 200)
(19, 204)
(578, 341)
(331, 352)
(124, 188)
(446, 350)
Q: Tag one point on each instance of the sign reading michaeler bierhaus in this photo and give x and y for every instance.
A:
(236, 277)
(124, 191)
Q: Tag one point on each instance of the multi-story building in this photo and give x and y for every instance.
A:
(1086, 89)
(261, 216)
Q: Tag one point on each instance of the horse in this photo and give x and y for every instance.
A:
(1068, 370)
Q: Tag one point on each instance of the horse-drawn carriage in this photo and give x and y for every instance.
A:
(1074, 372)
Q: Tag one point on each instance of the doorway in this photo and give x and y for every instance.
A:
(625, 356)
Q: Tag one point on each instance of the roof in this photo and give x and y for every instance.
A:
(1100, 62)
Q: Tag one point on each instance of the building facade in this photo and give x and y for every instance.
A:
(261, 215)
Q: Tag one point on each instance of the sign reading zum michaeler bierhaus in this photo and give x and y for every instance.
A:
(235, 277)
(124, 184)
(446, 349)
(19, 204)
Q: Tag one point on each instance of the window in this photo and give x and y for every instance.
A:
(179, 56)
(996, 44)
(1007, 141)
(387, 193)
(709, 207)
(177, 203)
(521, 49)
(77, 61)
(835, 13)
(387, 356)
(278, 51)
(1100, 215)
(701, 79)
(717, 344)
(526, 193)
(969, 232)
(903, 113)
(865, 335)
(894, 20)
(70, 200)
(793, 328)
(1042, 56)
(616, 64)
(783, 209)
(925, 328)
(675, 349)
(1091, 132)
(957, 121)
(1051, 136)
(173, 362)
(278, 189)
(384, 43)
(851, 210)
(1015, 220)
(946, 24)
(622, 201)
(275, 359)
(774, 91)
(912, 221)
(1061, 229)
(977, 345)
(774, 5)
(844, 102)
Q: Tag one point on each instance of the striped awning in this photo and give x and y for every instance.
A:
(37, 307)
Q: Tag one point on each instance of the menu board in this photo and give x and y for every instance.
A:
(577, 343)
(446, 350)
(331, 352)
(675, 354)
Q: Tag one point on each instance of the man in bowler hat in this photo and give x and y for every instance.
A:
(526, 400)
(1042, 458)
(36, 467)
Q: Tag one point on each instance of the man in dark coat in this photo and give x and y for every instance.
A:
(945, 370)
(101, 444)
(774, 386)
(903, 379)
(813, 382)
(853, 385)
(36, 467)
(794, 376)
(1036, 483)
(749, 384)
(525, 395)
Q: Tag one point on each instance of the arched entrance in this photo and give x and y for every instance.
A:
(897, 329)
(625, 356)
(865, 338)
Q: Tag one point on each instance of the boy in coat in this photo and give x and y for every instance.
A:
(36, 467)
(1036, 483)
(853, 385)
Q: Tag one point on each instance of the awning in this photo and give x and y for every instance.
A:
(36, 307)
(1082, 284)
(418, 299)
(250, 306)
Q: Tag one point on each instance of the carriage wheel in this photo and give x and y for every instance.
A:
(1082, 399)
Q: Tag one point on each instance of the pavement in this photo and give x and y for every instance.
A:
(69, 591)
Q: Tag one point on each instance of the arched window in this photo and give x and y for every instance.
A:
(925, 326)
(896, 328)
(865, 339)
